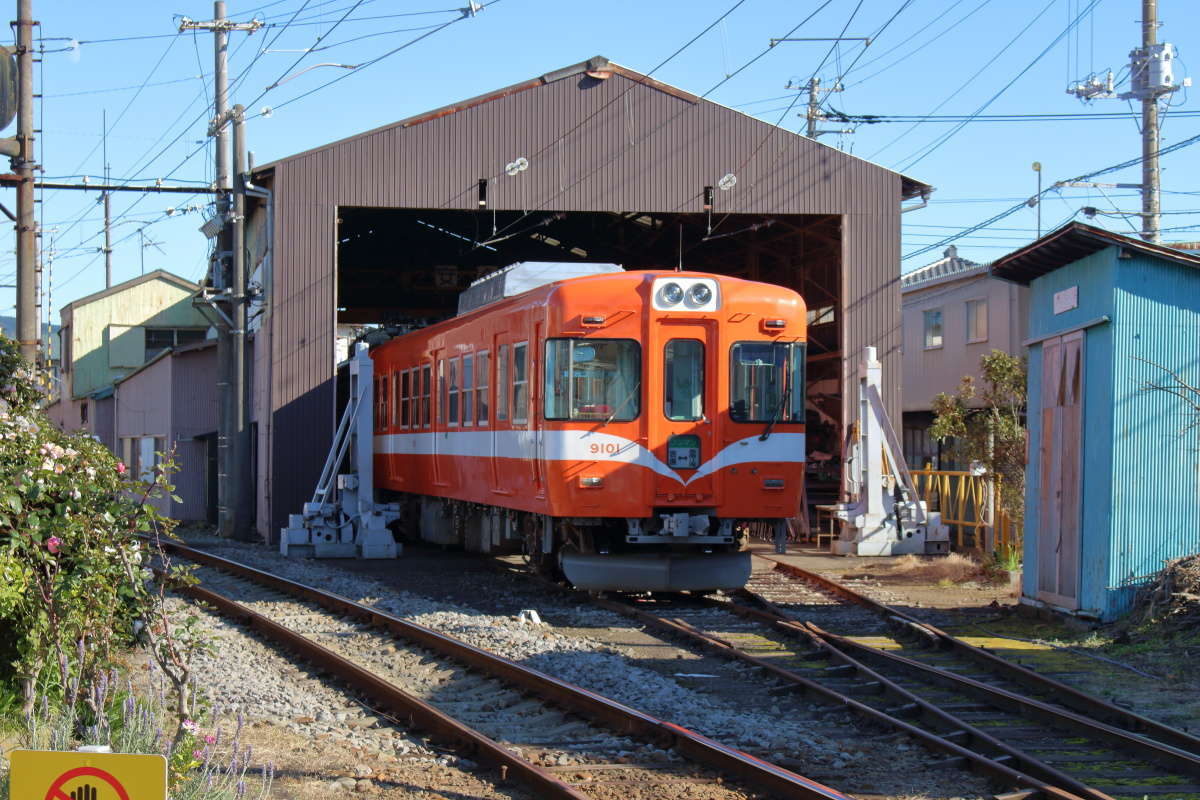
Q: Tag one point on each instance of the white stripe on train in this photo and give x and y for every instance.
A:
(574, 445)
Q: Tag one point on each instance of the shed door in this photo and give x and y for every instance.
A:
(1059, 454)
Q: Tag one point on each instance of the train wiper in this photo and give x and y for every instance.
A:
(766, 434)
(628, 397)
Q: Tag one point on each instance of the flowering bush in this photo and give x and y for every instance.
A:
(72, 583)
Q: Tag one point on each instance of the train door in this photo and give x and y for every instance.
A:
(441, 449)
(537, 418)
(681, 405)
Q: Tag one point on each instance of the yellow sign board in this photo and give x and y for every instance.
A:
(56, 775)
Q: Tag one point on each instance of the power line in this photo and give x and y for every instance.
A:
(924, 152)
(1025, 203)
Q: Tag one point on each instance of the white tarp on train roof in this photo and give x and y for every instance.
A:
(523, 276)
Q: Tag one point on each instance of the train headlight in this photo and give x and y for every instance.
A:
(671, 293)
(700, 294)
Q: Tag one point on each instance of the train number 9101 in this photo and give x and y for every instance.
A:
(606, 449)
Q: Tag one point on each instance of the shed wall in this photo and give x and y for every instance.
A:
(1156, 444)
(608, 145)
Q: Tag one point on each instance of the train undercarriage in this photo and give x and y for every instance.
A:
(672, 550)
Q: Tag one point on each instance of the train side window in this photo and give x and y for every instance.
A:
(468, 390)
(481, 388)
(425, 381)
(683, 383)
(520, 385)
(502, 383)
(381, 420)
(402, 398)
(452, 419)
(441, 391)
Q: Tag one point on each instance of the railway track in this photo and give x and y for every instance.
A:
(997, 718)
(558, 740)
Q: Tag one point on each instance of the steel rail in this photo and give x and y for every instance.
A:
(1051, 783)
(762, 774)
(1069, 696)
(420, 715)
(1025, 706)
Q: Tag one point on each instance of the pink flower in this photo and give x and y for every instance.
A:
(209, 739)
(52, 544)
(198, 754)
(120, 467)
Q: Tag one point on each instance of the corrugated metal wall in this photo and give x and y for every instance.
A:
(1156, 445)
(609, 145)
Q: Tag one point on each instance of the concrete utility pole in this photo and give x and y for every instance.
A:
(104, 197)
(233, 491)
(1152, 76)
(23, 166)
(1149, 96)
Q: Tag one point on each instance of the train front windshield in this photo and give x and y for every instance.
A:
(766, 381)
(593, 379)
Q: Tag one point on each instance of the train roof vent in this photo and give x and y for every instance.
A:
(523, 276)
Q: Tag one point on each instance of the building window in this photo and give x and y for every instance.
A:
(83, 413)
(933, 328)
(425, 381)
(502, 382)
(977, 321)
(520, 385)
(159, 339)
(468, 390)
(481, 388)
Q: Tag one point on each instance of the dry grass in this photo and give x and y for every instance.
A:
(953, 568)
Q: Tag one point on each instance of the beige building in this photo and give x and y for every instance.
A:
(108, 335)
(952, 313)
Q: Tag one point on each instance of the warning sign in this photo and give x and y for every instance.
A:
(53, 775)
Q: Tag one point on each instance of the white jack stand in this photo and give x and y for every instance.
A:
(885, 518)
(353, 524)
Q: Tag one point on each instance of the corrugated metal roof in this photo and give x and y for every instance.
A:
(1070, 243)
(598, 67)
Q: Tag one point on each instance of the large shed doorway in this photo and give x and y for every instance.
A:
(403, 268)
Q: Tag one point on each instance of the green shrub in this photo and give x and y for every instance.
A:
(72, 587)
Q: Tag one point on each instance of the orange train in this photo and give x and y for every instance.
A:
(624, 429)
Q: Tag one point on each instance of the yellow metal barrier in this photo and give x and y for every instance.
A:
(962, 499)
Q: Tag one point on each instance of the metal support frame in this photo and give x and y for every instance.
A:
(343, 520)
(885, 518)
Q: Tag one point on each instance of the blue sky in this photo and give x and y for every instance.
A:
(945, 57)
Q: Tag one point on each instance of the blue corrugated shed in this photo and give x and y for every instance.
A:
(1110, 497)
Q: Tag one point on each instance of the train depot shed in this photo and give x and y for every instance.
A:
(590, 163)
(1112, 486)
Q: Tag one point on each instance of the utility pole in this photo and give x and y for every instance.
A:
(1150, 63)
(1152, 77)
(239, 389)
(107, 205)
(23, 166)
(813, 113)
(232, 492)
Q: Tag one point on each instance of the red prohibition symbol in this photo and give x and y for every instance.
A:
(55, 791)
